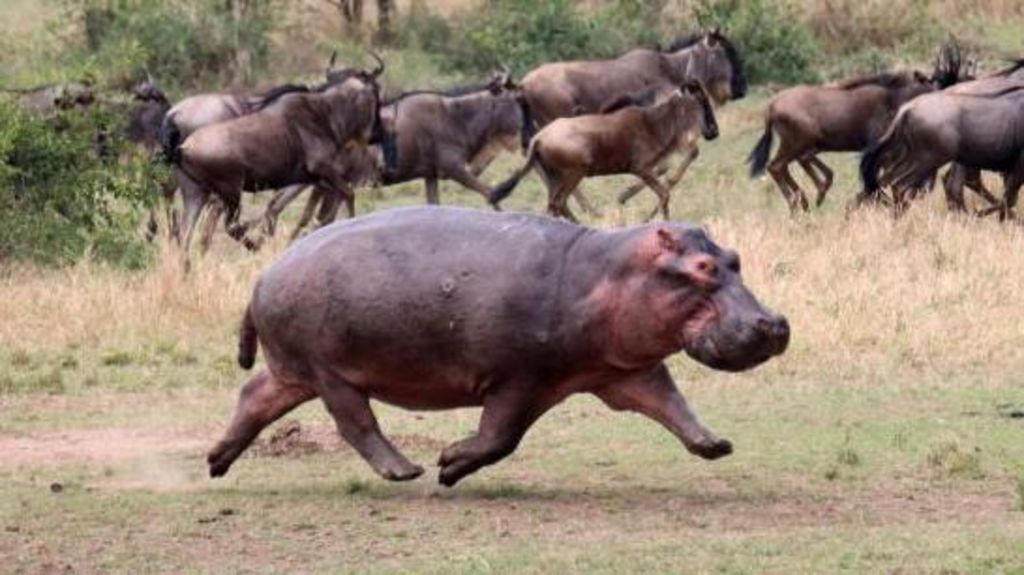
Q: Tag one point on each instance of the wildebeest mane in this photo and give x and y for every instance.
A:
(1015, 65)
(633, 99)
(884, 80)
(267, 98)
(454, 92)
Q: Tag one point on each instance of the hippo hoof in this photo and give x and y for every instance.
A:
(218, 466)
(712, 449)
(404, 474)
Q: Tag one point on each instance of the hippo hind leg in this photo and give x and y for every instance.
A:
(262, 401)
(357, 424)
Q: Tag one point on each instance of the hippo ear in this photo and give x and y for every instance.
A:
(667, 241)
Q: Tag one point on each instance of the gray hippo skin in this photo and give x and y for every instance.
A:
(438, 308)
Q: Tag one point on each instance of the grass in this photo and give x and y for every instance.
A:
(880, 442)
(877, 443)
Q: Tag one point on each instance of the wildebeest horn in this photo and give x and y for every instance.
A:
(334, 58)
(380, 64)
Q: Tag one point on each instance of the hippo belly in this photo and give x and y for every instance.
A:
(417, 307)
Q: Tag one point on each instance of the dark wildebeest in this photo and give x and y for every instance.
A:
(632, 140)
(454, 135)
(201, 110)
(47, 100)
(979, 125)
(434, 135)
(298, 140)
(440, 308)
(958, 177)
(847, 116)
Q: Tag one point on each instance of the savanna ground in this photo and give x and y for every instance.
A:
(890, 437)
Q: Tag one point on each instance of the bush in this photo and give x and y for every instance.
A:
(187, 42)
(60, 200)
(523, 34)
(777, 48)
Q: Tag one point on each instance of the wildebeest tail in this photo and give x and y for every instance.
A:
(248, 342)
(170, 140)
(529, 128)
(758, 158)
(872, 158)
(502, 190)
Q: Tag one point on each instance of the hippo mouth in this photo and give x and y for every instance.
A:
(704, 316)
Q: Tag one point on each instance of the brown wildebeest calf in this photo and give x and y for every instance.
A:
(633, 140)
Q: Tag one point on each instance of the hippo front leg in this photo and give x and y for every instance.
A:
(655, 395)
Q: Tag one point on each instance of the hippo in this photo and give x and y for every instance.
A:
(433, 308)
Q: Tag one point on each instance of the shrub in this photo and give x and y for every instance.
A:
(59, 199)
(776, 46)
(188, 42)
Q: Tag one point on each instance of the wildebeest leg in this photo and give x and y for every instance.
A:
(508, 414)
(462, 175)
(330, 204)
(655, 395)
(315, 197)
(356, 423)
(953, 184)
(281, 200)
(561, 187)
(1011, 183)
(213, 216)
(822, 181)
(195, 199)
(661, 190)
(584, 202)
(262, 401)
(663, 169)
(433, 198)
(778, 168)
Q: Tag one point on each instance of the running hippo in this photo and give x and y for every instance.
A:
(438, 308)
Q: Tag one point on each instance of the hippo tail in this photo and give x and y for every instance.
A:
(248, 342)
(170, 140)
(502, 190)
(758, 158)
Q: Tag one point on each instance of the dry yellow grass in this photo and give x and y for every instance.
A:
(869, 298)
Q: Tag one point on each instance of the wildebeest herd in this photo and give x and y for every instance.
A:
(437, 308)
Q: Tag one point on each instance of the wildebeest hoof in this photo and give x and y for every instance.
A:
(448, 477)
(712, 449)
(403, 473)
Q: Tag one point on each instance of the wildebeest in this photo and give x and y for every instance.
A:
(979, 125)
(563, 89)
(200, 110)
(632, 140)
(440, 308)
(454, 135)
(846, 116)
(958, 177)
(298, 140)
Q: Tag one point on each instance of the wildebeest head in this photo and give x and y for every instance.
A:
(715, 62)
(335, 76)
(354, 109)
(148, 91)
(697, 102)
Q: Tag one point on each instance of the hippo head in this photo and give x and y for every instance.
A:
(688, 295)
